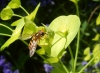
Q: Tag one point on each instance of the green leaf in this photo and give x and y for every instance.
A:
(71, 24)
(87, 57)
(29, 29)
(41, 51)
(14, 4)
(87, 51)
(96, 49)
(33, 14)
(87, 54)
(6, 13)
(16, 22)
(98, 20)
(96, 38)
(52, 60)
(15, 35)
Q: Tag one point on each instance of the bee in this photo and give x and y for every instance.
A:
(34, 41)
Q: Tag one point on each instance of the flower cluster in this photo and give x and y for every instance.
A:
(5, 67)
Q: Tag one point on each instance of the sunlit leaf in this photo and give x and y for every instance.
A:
(98, 20)
(33, 14)
(96, 50)
(6, 13)
(52, 60)
(15, 35)
(87, 57)
(29, 29)
(87, 51)
(14, 4)
(71, 24)
(16, 22)
(41, 51)
(96, 38)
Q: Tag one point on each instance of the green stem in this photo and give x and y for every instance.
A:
(89, 62)
(78, 37)
(24, 42)
(12, 59)
(72, 58)
(77, 9)
(24, 10)
(56, 41)
(77, 49)
(5, 34)
(6, 27)
(50, 63)
(63, 66)
(44, 58)
(17, 15)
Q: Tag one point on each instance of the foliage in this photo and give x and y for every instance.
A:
(58, 48)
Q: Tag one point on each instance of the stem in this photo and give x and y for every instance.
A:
(72, 58)
(24, 10)
(89, 62)
(12, 59)
(5, 34)
(56, 41)
(50, 63)
(17, 15)
(77, 48)
(63, 66)
(77, 9)
(78, 37)
(24, 42)
(6, 27)
(43, 58)
(93, 13)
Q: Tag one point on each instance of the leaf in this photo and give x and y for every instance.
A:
(16, 22)
(14, 4)
(87, 54)
(87, 57)
(98, 20)
(33, 14)
(96, 38)
(6, 13)
(15, 35)
(52, 60)
(71, 24)
(41, 51)
(96, 50)
(29, 29)
(87, 51)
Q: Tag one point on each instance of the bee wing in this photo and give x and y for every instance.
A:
(32, 51)
(32, 48)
